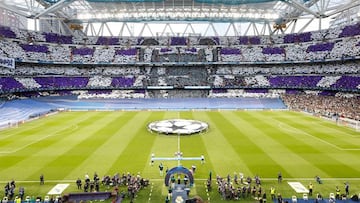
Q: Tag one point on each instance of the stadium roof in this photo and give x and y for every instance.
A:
(268, 13)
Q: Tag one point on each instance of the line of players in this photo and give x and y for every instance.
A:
(229, 190)
(133, 183)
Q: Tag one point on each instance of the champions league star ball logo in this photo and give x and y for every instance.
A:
(178, 126)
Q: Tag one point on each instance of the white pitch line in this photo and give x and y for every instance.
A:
(314, 137)
(38, 140)
(12, 134)
(351, 149)
(333, 122)
(307, 134)
(59, 131)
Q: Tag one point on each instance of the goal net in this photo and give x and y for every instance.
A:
(349, 123)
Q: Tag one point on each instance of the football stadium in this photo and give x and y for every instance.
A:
(180, 101)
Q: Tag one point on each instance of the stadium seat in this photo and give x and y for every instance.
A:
(305, 196)
(294, 199)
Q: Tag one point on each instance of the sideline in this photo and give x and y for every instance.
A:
(197, 179)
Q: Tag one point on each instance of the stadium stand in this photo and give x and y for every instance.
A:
(323, 63)
(314, 72)
(16, 111)
(328, 106)
(338, 44)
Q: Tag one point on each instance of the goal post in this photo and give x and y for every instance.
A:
(349, 123)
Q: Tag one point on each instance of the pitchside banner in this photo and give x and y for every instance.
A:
(7, 62)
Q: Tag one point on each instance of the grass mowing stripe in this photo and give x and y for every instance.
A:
(328, 136)
(38, 131)
(122, 131)
(330, 143)
(26, 141)
(162, 146)
(338, 130)
(264, 155)
(204, 170)
(76, 149)
(193, 146)
(45, 130)
(333, 133)
(30, 125)
(275, 143)
(348, 143)
(253, 149)
(198, 146)
(206, 143)
(134, 150)
(100, 158)
(329, 124)
(347, 168)
(319, 149)
(22, 161)
(332, 136)
(223, 146)
(296, 131)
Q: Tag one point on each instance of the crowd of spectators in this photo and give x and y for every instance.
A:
(323, 77)
(331, 69)
(97, 54)
(322, 35)
(22, 78)
(302, 82)
(111, 94)
(225, 79)
(329, 106)
(332, 44)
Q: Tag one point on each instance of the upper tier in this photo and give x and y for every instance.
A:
(334, 44)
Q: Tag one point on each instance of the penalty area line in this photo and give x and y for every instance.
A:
(289, 128)
(72, 128)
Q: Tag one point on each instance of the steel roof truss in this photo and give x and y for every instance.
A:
(55, 7)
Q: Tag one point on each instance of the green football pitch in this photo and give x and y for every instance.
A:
(67, 145)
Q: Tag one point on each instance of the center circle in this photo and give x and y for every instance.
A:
(178, 126)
